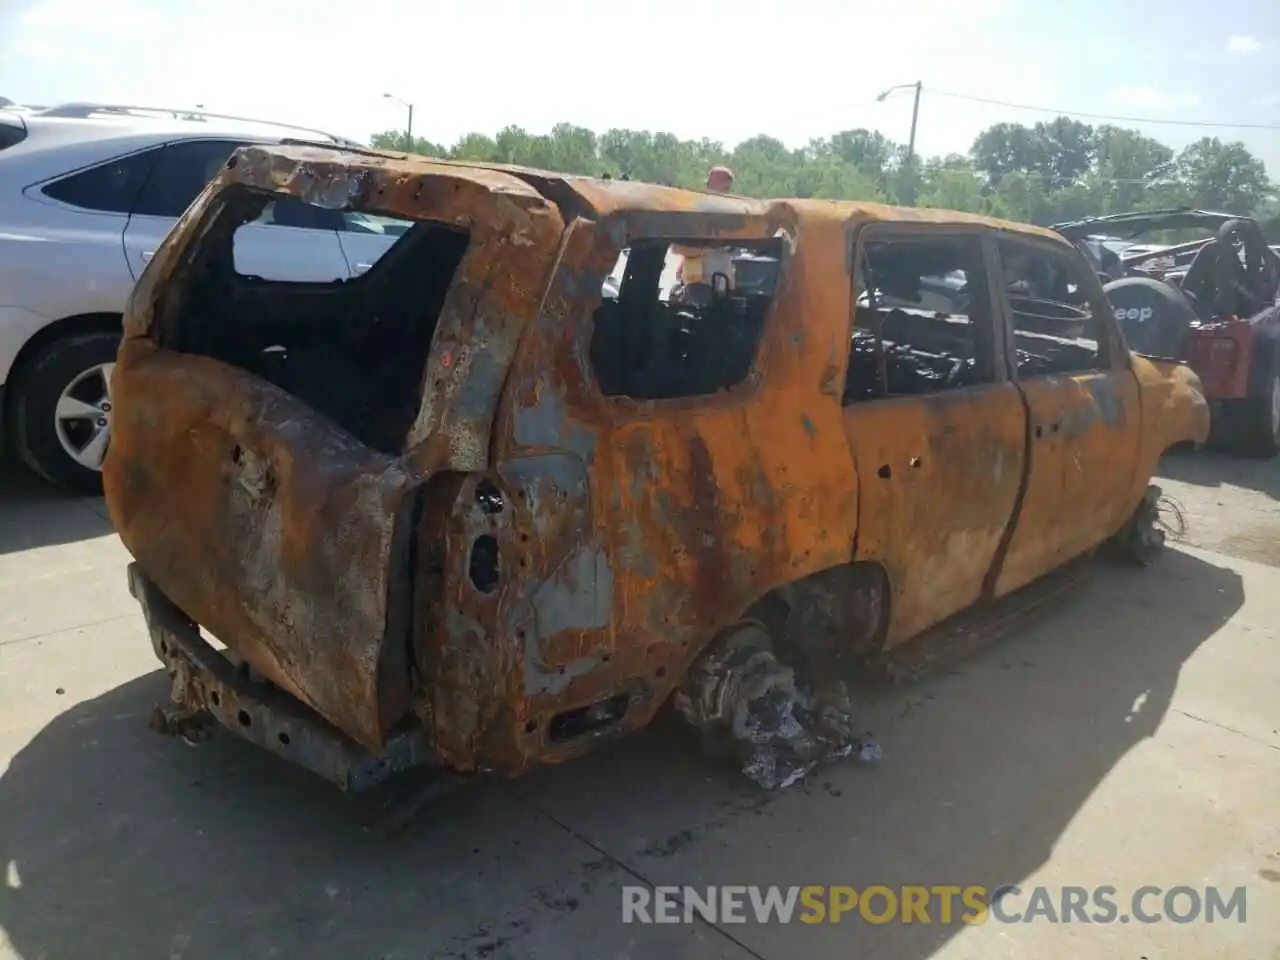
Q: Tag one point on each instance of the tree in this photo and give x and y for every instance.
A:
(573, 150)
(1066, 150)
(1057, 170)
(1021, 197)
(475, 146)
(1007, 148)
(1223, 176)
(394, 140)
(1136, 170)
(950, 183)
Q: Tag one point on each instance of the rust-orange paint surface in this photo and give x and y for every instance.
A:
(632, 532)
(939, 480)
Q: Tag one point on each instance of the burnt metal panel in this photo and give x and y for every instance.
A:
(1084, 434)
(564, 552)
(939, 482)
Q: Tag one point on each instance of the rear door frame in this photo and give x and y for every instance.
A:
(692, 507)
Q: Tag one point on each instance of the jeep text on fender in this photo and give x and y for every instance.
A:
(1137, 314)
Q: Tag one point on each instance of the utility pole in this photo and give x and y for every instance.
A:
(909, 181)
(408, 130)
(911, 140)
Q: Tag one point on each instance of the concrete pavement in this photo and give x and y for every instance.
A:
(1128, 737)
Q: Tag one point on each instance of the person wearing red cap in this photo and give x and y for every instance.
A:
(720, 180)
(698, 265)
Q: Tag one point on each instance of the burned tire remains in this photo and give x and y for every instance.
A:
(1143, 538)
(750, 705)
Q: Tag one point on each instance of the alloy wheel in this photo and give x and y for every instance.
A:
(82, 418)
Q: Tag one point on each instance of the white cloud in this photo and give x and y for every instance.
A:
(1149, 98)
(1239, 44)
(125, 18)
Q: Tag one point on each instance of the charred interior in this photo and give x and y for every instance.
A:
(683, 319)
(353, 348)
(914, 329)
(924, 320)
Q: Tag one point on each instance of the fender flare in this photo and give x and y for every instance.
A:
(1266, 352)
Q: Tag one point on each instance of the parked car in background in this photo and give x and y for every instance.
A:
(87, 194)
(477, 511)
(1213, 301)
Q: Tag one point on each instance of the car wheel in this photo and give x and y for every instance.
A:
(62, 410)
(1260, 429)
(1143, 537)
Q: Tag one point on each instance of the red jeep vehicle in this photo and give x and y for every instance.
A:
(1211, 302)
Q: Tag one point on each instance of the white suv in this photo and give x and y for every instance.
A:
(87, 192)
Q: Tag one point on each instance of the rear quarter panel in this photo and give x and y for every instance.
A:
(1174, 410)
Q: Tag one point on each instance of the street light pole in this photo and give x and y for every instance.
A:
(915, 116)
(911, 138)
(408, 130)
(915, 111)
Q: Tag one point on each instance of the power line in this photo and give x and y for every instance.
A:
(1101, 116)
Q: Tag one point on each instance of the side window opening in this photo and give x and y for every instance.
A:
(353, 349)
(365, 237)
(11, 134)
(293, 212)
(110, 187)
(373, 225)
(181, 172)
(923, 320)
(1054, 326)
(683, 319)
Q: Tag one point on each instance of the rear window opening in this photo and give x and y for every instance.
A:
(684, 318)
(353, 348)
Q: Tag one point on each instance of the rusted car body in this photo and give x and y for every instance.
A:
(483, 517)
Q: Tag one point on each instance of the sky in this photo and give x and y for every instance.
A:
(793, 69)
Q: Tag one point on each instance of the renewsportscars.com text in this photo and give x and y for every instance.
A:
(938, 904)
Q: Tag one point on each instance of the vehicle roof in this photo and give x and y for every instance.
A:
(599, 197)
(61, 140)
(178, 120)
(111, 130)
(1126, 226)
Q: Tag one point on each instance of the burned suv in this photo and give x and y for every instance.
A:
(466, 511)
(1213, 301)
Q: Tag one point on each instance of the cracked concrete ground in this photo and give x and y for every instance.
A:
(1129, 737)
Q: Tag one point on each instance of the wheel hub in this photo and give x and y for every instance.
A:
(82, 417)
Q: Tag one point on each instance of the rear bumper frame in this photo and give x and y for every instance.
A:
(206, 682)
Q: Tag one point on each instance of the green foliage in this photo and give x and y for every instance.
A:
(1053, 171)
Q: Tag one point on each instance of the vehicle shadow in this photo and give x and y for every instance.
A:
(118, 843)
(1208, 468)
(34, 513)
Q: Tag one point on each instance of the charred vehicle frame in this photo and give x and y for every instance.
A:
(469, 511)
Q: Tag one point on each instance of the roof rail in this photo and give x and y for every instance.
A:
(84, 109)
